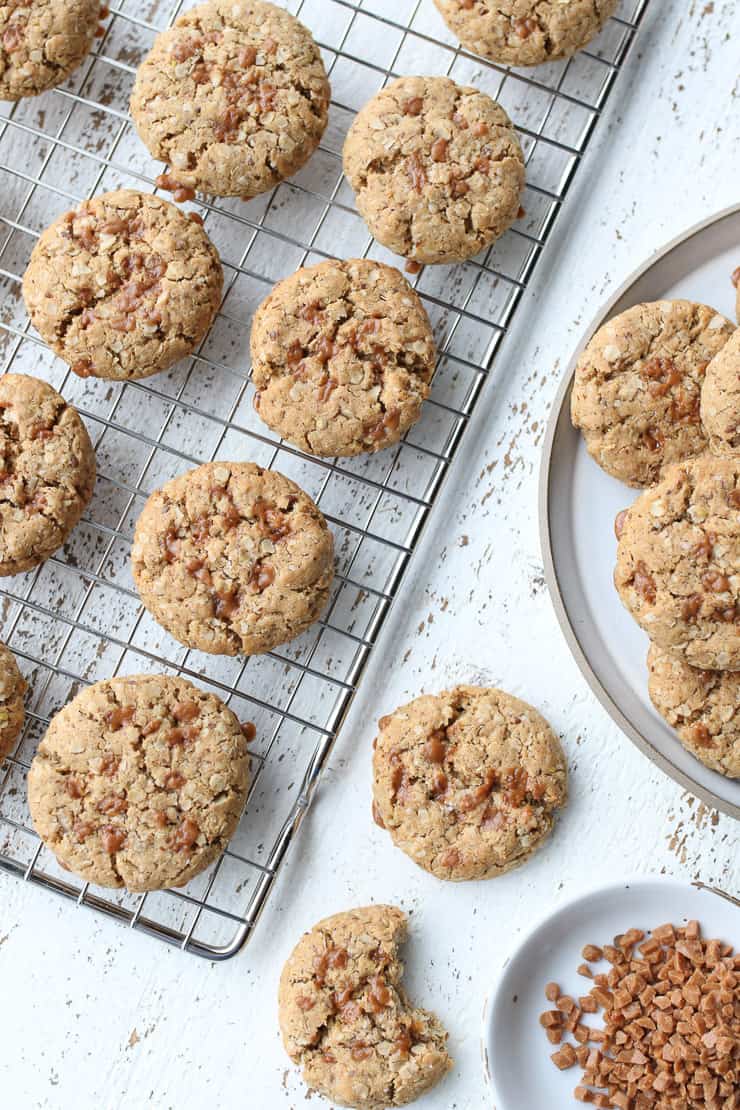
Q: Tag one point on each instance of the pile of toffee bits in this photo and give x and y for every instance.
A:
(671, 1023)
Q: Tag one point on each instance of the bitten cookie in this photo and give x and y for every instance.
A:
(437, 169)
(232, 558)
(42, 42)
(346, 1020)
(47, 471)
(139, 782)
(702, 706)
(637, 388)
(234, 96)
(720, 398)
(12, 688)
(124, 287)
(678, 562)
(342, 356)
(525, 32)
(467, 782)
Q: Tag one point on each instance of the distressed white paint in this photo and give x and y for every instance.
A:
(95, 1017)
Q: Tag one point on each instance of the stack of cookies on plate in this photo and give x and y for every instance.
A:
(657, 398)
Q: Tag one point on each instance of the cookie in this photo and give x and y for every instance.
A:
(678, 562)
(525, 32)
(342, 357)
(47, 472)
(124, 287)
(232, 558)
(467, 781)
(346, 1020)
(437, 169)
(720, 398)
(42, 42)
(139, 782)
(637, 387)
(12, 688)
(702, 706)
(234, 96)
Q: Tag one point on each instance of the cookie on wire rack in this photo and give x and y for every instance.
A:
(139, 782)
(234, 97)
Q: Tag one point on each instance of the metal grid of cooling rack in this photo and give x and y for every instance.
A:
(77, 618)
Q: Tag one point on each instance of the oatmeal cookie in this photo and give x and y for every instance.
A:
(467, 782)
(678, 562)
(139, 782)
(437, 169)
(702, 706)
(342, 356)
(637, 388)
(525, 32)
(234, 96)
(47, 471)
(124, 287)
(232, 558)
(346, 1019)
(720, 398)
(12, 688)
(42, 42)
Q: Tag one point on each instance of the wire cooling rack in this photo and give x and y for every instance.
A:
(77, 618)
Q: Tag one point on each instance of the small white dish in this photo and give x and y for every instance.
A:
(516, 1052)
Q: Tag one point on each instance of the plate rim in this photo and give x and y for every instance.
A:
(551, 578)
(583, 892)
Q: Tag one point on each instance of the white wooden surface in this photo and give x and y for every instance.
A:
(93, 1016)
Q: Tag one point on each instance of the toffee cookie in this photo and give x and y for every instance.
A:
(12, 688)
(47, 471)
(346, 1019)
(234, 96)
(637, 388)
(437, 169)
(139, 782)
(232, 558)
(525, 32)
(124, 287)
(702, 706)
(42, 42)
(467, 782)
(720, 398)
(342, 356)
(678, 562)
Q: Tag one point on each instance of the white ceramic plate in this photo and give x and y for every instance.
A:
(516, 1052)
(578, 503)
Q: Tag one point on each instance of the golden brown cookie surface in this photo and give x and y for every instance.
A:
(234, 96)
(139, 782)
(436, 167)
(467, 781)
(346, 1019)
(342, 356)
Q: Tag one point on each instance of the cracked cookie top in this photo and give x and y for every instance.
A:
(12, 688)
(139, 782)
(235, 97)
(342, 356)
(525, 32)
(467, 781)
(47, 471)
(437, 169)
(637, 388)
(678, 562)
(720, 398)
(42, 42)
(232, 558)
(346, 1019)
(702, 706)
(124, 287)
